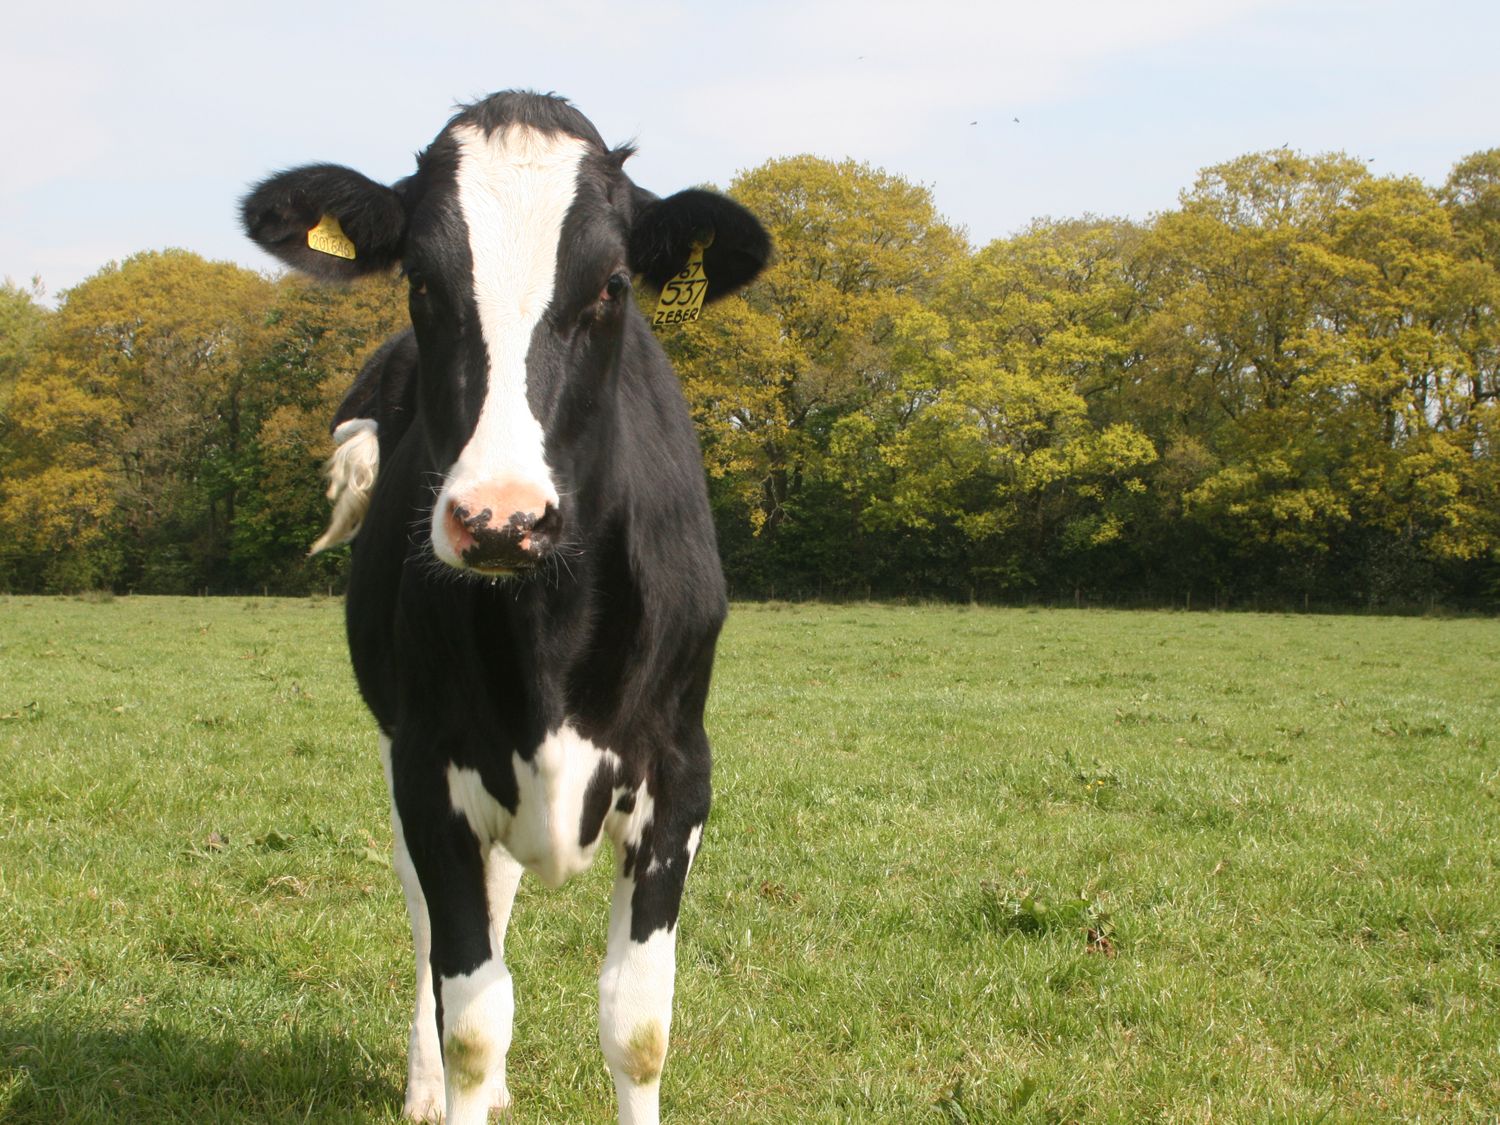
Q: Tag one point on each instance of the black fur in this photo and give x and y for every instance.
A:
(663, 235)
(385, 390)
(279, 212)
(547, 112)
(614, 632)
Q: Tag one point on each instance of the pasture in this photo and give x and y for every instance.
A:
(965, 865)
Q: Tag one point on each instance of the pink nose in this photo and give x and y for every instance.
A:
(501, 526)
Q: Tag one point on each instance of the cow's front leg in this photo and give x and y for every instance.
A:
(424, 1058)
(468, 889)
(635, 986)
(502, 879)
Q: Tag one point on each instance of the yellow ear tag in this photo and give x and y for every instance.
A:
(682, 297)
(329, 238)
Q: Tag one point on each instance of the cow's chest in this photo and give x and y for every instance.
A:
(569, 794)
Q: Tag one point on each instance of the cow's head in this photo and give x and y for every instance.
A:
(519, 234)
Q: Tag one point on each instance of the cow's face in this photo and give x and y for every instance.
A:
(516, 261)
(519, 234)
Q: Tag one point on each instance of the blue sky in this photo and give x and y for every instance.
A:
(137, 126)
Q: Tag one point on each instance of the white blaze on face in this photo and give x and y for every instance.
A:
(515, 186)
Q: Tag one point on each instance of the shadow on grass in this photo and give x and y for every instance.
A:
(51, 1073)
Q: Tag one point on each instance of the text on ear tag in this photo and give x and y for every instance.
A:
(682, 297)
(329, 238)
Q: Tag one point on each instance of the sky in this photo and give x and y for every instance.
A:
(131, 127)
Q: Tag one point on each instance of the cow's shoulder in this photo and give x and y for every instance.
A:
(384, 391)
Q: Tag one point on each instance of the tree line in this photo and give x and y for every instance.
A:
(1284, 390)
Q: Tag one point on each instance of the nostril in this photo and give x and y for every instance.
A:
(458, 524)
(476, 523)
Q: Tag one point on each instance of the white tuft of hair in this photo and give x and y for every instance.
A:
(351, 478)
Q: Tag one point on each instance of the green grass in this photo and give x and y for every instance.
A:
(965, 865)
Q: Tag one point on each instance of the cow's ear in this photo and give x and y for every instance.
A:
(664, 232)
(327, 221)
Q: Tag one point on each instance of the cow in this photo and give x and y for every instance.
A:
(534, 591)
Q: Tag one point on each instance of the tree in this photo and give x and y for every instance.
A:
(1286, 386)
(22, 318)
(1302, 371)
(319, 337)
(22, 321)
(991, 432)
(1250, 274)
(128, 404)
(856, 249)
(770, 373)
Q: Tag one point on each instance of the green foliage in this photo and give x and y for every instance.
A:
(22, 318)
(1288, 379)
(166, 426)
(1286, 388)
(322, 336)
(823, 335)
(122, 417)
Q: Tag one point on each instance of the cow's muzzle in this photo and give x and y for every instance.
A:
(524, 532)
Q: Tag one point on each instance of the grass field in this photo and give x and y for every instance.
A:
(965, 865)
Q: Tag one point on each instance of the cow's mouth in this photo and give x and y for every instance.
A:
(492, 571)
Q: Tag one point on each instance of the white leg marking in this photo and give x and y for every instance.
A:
(351, 479)
(502, 877)
(424, 1061)
(477, 1012)
(635, 1009)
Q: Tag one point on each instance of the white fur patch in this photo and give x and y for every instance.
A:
(351, 479)
(635, 1008)
(543, 834)
(515, 186)
(478, 1009)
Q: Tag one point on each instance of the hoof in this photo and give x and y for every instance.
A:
(424, 1105)
(500, 1100)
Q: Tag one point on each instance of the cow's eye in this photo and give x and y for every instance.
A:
(418, 283)
(615, 288)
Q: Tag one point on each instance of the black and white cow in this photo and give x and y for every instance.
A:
(535, 593)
